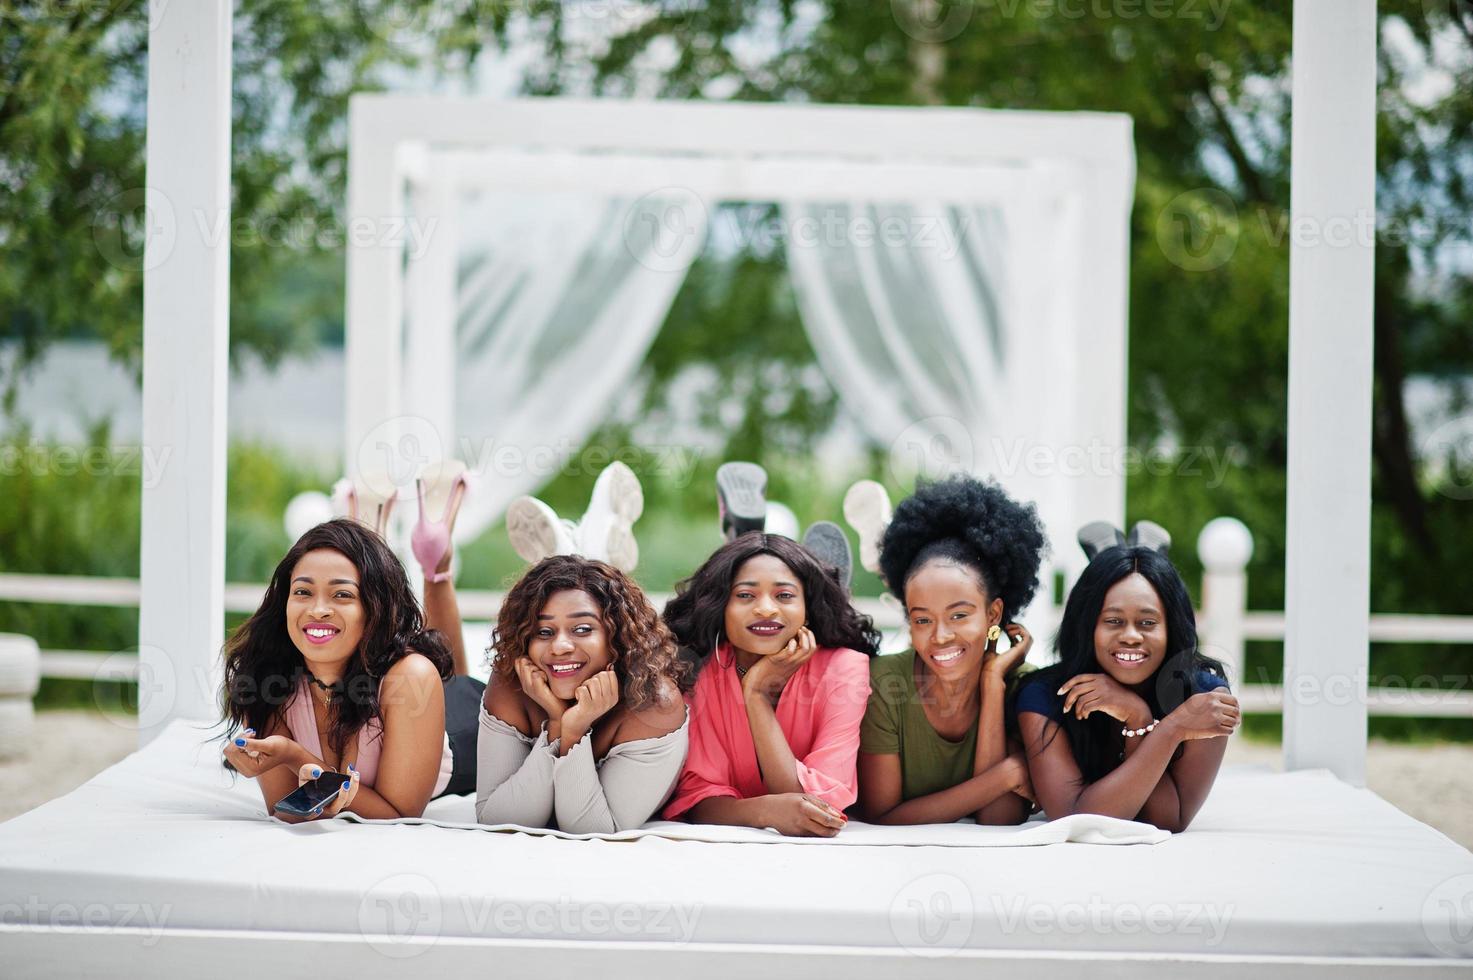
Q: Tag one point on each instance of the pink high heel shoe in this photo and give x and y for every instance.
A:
(430, 540)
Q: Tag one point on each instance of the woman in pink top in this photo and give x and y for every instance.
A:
(776, 708)
(336, 672)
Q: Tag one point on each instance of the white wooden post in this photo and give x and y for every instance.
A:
(433, 301)
(1331, 275)
(374, 328)
(1225, 546)
(186, 282)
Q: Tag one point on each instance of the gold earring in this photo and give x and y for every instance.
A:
(994, 633)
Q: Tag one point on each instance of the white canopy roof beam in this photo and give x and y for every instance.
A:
(718, 178)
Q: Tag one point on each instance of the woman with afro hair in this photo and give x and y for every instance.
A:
(776, 709)
(963, 558)
(583, 725)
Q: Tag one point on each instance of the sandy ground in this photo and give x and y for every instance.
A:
(1433, 783)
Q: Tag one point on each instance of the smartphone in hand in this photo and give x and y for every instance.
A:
(312, 794)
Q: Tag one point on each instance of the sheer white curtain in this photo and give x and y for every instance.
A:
(943, 328)
(559, 299)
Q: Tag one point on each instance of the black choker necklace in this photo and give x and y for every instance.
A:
(333, 690)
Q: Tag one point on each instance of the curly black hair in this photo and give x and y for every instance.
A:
(643, 650)
(697, 614)
(974, 524)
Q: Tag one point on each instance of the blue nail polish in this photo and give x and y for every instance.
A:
(350, 768)
(346, 784)
(316, 772)
(240, 742)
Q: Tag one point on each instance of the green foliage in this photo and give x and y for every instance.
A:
(75, 510)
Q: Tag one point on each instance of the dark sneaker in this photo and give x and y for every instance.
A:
(827, 542)
(1097, 536)
(741, 498)
(1149, 534)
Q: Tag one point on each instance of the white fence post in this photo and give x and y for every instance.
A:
(1224, 546)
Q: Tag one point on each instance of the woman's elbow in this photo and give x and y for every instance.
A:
(1006, 813)
(1173, 825)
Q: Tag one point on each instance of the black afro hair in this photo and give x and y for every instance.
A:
(972, 523)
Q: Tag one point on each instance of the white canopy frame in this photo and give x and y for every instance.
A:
(186, 323)
(414, 155)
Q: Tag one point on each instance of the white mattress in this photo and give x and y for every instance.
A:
(1296, 865)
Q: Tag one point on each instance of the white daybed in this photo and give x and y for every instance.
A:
(161, 866)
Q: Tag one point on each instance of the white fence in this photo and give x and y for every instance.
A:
(1224, 621)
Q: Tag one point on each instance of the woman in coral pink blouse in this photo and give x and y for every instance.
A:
(776, 709)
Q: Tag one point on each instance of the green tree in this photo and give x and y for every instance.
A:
(73, 79)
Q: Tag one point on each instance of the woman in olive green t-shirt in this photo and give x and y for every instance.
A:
(964, 558)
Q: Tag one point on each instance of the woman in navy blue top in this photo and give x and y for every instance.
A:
(1142, 713)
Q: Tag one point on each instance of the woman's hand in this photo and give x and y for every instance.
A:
(1212, 714)
(595, 698)
(533, 680)
(769, 674)
(1085, 694)
(802, 815)
(310, 771)
(997, 666)
(251, 756)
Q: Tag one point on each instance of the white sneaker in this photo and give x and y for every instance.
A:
(606, 532)
(867, 509)
(536, 532)
(780, 520)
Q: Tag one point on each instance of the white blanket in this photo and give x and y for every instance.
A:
(1278, 864)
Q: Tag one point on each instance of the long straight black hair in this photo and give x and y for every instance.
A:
(263, 666)
(1097, 741)
(697, 614)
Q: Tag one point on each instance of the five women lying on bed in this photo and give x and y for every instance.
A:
(758, 700)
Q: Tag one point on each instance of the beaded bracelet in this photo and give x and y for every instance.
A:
(1133, 732)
